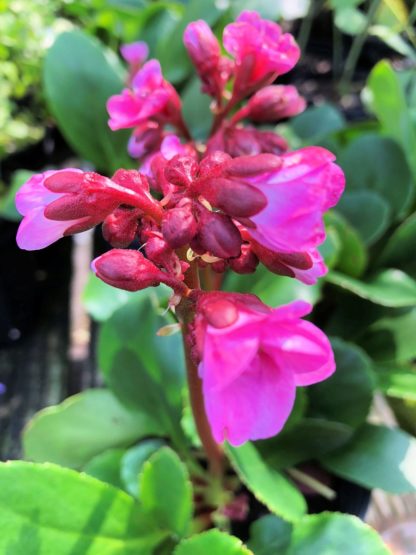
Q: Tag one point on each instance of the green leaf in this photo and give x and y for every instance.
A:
(391, 338)
(390, 287)
(7, 201)
(367, 212)
(388, 101)
(270, 535)
(396, 381)
(47, 509)
(166, 492)
(171, 51)
(352, 256)
(212, 542)
(377, 457)
(79, 77)
(82, 427)
(269, 486)
(196, 109)
(347, 395)
(309, 439)
(133, 461)
(317, 123)
(335, 534)
(391, 167)
(106, 467)
(400, 248)
(350, 21)
(144, 371)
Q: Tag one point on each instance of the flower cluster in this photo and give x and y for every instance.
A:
(240, 200)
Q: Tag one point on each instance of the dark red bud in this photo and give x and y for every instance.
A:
(246, 263)
(65, 181)
(179, 226)
(219, 313)
(219, 266)
(235, 198)
(218, 235)
(131, 179)
(213, 164)
(181, 170)
(275, 102)
(246, 166)
(127, 269)
(120, 227)
(282, 263)
(271, 142)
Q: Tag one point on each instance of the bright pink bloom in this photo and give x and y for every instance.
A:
(135, 53)
(205, 52)
(261, 51)
(305, 185)
(274, 103)
(151, 96)
(63, 202)
(252, 359)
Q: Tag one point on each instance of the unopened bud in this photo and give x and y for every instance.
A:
(249, 166)
(218, 235)
(179, 226)
(181, 170)
(275, 102)
(219, 313)
(213, 164)
(246, 263)
(120, 227)
(235, 198)
(282, 263)
(127, 269)
(146, 138)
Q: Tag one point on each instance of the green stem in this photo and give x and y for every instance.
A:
(312, 483)
(356, 48)
(306, 25)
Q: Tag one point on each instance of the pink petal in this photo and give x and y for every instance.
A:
(134, 52)
(148, 78)
(310, 276)
(254, 406)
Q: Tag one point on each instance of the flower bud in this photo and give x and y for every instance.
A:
(146, 138)
(120, 227)
(179, 225)
(127, 269)
(274, 103)
(248, 166)
(213, 164)
(236, 198)
(246, 263)
(218, 235)
(181, 170)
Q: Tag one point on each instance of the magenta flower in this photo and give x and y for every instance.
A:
(63, 202)
(298, 192)
(135, 53)
(150, 96)
(252, 359)
(261, 51)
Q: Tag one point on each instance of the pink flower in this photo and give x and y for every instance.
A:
(252, 359)
(205, 52)
(298, 192)
(274, 103)
(135, 53)
(63, 202)
(150, 96)
(261, 51)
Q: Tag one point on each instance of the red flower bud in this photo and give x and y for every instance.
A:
(274, 103)
(179, 225)
(181, 170)
(213, 164)
(236, 198)
(120, 227)
(218, 235)
(246, 263)
(248, 166)
(282, 263)
(127, 269)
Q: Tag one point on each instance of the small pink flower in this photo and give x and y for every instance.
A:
(261, 51)
(135, 53)
(252, 359)
(63, 202)
(205, 52)
(274, 103)
(298, 192)
(150, 96)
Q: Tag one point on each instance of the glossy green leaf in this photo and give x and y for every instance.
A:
(347, 395)
(47, 509)
(391, 167)
(270, 535)
(166, 492)
(397, 381)
(367, 212)
(269, 486)
(196, 109)
(308, 439)
(350, 21)
(335, 534)
(392, 338)
(318, 122)
(132, 463)
(400, 248)
(210, 543)
(106, 467)
(82, 427)
(388, 101)
(79, 77)
(391, 287)
(352, 256)
(7, 199)
(377, 457)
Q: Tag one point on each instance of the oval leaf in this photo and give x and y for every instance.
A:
(211, 543)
